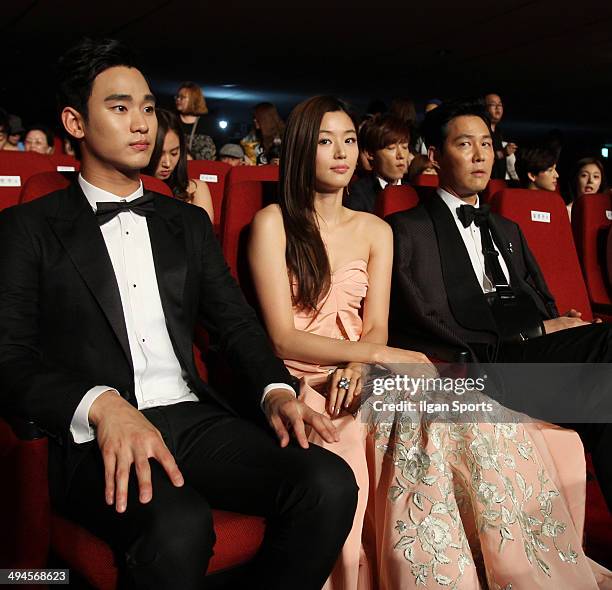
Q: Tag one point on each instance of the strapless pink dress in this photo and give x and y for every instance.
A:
(444, 505)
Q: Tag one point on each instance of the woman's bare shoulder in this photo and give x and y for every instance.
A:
(370, 223)
(269, 218)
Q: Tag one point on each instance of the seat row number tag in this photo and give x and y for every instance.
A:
(541, 216)
(10, 180)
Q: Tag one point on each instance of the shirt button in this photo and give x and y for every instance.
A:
(143, 339)
(134, 286)
(127, 233)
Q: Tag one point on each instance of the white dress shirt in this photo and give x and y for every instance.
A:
(383, 183)
(473, 245)
(158, 377)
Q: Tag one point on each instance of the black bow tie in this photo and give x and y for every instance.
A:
(141, 206)
(468, 214)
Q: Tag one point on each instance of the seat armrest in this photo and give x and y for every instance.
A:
(24, 429)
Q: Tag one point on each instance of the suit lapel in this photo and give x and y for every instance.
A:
(76, 227)
(167, 237)
(464, 293)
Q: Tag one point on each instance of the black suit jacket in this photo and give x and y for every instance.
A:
(62, 329)
(435, 293)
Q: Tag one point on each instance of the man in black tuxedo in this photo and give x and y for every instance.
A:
(466, 277)
(101, 287)
(384, 140)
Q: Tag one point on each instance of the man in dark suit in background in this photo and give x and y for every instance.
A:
(466, 277)
(101, 287)
(384, 140)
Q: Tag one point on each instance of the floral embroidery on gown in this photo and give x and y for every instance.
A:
(445, 504)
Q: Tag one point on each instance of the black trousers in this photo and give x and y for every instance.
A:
(586, 344)
(308, 498)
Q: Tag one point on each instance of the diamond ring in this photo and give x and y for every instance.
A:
(344, 383)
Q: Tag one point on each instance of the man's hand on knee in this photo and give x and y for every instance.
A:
(285, 412)
(126, 437)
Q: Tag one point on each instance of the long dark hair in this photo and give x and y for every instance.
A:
(178, 181)
(305, 254)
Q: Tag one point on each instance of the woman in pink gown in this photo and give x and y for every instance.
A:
(441, 504)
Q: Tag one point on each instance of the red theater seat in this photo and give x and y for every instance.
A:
(493, 186)
(214, 174)
(542, 216)
(395, 198)
(425, 180)
(241, 203)
(45, 183)
(156, 185)
(42, 184)
(267, 173)
(591, 220)
(30, 529)
(244, 196)
(65, 163)
(15, 169)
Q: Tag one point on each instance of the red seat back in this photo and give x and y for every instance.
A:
(15, 169)
(241, 203)
(591, 219)
(395, 198)
(267, 173)
(156, 185)
(543, 217)
(45, 183)
(65, 163)
(42, 184)
(425, 180)
(244, 196)
(214, 174)
(493, 186)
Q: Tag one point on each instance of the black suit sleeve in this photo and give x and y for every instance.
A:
(30, 387)
(226, 314)
(413, 318)
(536, 279)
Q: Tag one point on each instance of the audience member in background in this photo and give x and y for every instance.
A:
(502, 149)
(15, 134)
(587, 178)
(431, 104)
(537, 168)
(274, 155)
(169, 163)
(232, 154)
(267, 131)
(191, 107)
(420, 165)
(39, 139)
(384, 140)
(315, 264)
